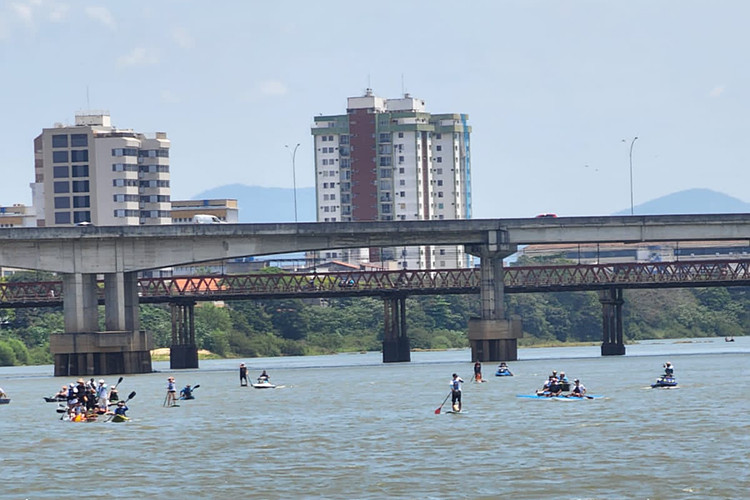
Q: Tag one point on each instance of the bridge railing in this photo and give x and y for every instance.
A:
(518, 279)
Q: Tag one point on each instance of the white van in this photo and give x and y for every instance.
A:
(206, 219)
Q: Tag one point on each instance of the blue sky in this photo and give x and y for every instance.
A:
(552, 88)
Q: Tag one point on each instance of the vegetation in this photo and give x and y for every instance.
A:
(300, 327)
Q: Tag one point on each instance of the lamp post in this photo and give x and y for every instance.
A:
(631, 173)
(293, 152)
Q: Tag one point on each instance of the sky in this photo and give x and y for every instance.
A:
(555, 91)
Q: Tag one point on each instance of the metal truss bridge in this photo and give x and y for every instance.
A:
(518, 279)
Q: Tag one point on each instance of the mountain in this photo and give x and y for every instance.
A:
(261, 204)
(691, 201)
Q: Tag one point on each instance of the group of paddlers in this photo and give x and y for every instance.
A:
(88, 399)
(556, 384)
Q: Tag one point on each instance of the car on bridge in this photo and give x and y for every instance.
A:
(541, 216)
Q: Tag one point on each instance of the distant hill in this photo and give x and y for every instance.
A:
(691, 201)
(261, 204)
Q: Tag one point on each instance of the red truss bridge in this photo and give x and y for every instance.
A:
(517, 279)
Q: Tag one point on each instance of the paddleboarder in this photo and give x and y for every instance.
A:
(171, 393)
(456, 392)
(668, 369)
(243, 375)
(478, 371)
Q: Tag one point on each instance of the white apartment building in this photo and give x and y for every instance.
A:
(92, 172)
(389, 159)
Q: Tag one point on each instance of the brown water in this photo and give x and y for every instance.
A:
(348, 426)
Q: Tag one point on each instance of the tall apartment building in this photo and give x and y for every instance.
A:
(389, 159)
(94, 172)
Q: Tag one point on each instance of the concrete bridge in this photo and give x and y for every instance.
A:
(80, 253)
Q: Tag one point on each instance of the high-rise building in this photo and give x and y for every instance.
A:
(389, 159)
(92, 172)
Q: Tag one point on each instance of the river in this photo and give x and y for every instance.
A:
(348, 426)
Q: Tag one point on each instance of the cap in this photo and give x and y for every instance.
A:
(242, 364)
(121, 403)
(101, 380)
(576, 380)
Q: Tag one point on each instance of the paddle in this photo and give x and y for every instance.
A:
(437, 412)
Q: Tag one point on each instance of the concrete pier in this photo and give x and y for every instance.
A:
(395, 341)
(612, 335)
(183, 353)
(85, 349)
(493, 337)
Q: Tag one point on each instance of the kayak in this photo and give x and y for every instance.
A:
(119, 418)
(505, 373)
(561, 397)
(665, 382)
(55, 399)
(4, 401)
(186, 397)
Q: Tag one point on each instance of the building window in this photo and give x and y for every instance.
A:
(385, 161)
(439, 182)
(59, 141)
(81, 202)
(438, 136)
(59, 157)
(384, 138)
(84, 216)
(401, 159)
(401, 170)
(61, 187)
(62, 202)
(80, 186)
(402, 182)
(60, 172)
(80, 170)
(343, 139)
(400, 135)
(79, 140)
(439, 147)
(330, 138)
(440, 159)
(62, 217)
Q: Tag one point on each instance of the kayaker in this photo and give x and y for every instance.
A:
(62, 393)
(187, 393)
(503, 368)
(579, 390)
(243, 375)
(121, 409)
(264, 377)
(113, 396)
(171, 399)
(668, 370)
(456, 392)
(2, 393)
(478, 371)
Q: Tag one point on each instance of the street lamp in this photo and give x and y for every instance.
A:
(293, 152)
(631, 173)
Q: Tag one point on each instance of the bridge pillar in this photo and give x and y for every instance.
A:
(612, 336)
(183, 353)
(395, 342)
(85, 350)
(493, 337)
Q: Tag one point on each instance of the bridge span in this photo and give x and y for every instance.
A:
(81, 253)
